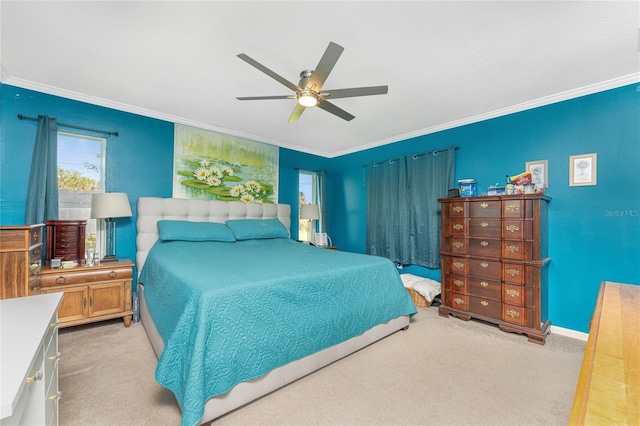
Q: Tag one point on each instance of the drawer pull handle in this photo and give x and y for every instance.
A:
(513, 249)
(513, 314)
(484, 303)
(112, 274)
(513, 207)
(458, 244)
(484, 284)
(484, 243)
(36, 377)
(513, 293)
(54, 357)
(54, 324)
(458, 227)
(512, 228)
(484, 264)
(458, 301)
(512, 272)
(55, 396)
(458, 265)
(459, 283)
(458, 209)
(484, 205)
(484, 224)
(60, 280)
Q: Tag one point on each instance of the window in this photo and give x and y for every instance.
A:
(81, 166)
(307, 184)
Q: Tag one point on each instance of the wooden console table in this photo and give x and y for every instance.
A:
(608, 390)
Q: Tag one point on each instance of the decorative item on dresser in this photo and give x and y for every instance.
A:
(65, 239)
(493, 262)
(20, 260)
(29, 361)
(92, 293)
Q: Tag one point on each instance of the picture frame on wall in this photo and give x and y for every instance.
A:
(583, 169)
(539, 172)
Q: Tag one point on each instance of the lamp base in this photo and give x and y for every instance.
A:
(109, 258)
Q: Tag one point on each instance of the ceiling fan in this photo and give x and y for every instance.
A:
(308, 92)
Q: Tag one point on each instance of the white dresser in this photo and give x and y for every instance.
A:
(29, 360)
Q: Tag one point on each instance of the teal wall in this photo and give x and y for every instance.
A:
(594, 232)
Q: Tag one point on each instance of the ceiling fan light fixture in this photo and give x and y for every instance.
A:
(307, 99)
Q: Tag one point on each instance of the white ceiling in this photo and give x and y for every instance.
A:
(446, 63)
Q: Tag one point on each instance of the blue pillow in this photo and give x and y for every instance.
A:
(249, 229)
(182, 230)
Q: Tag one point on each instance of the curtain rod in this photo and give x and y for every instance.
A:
(72, 126)
(412, 155)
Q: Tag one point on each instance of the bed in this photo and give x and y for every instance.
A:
(235, 309)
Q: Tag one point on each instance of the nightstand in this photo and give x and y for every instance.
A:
(91, 293)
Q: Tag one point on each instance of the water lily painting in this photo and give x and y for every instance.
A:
(215, 166)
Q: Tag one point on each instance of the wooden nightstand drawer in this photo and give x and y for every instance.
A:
(484, 227)
(84, 276)
(488, 247)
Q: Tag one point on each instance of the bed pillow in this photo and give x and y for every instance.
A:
(183, 230)
(249, 229)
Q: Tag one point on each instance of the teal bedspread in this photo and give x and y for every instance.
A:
(231, 312)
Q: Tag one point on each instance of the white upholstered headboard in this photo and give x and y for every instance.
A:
(153, 209)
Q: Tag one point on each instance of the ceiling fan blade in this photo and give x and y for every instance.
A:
(329, 107)
(260, 98)
(270, 73)
(297, 112)
(326, 64)
(355, 91)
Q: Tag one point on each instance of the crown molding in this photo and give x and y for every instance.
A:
(547, 100)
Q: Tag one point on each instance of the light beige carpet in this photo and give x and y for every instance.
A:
(441, 371)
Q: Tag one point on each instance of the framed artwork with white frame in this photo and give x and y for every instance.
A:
(583, 169)
(539, 172)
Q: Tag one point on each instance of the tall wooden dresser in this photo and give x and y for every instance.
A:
(20, 260)
(494, 262)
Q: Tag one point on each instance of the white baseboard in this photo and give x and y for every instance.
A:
(569, 333)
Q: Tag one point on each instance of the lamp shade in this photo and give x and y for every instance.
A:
(110, 204)
(309, 211)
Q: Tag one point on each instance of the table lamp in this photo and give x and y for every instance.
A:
(310, 212)
(107, 206)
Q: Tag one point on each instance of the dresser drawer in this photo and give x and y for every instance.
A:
(35, 260)
(520, 273)
(485, 209)
(520, 209)
(517, 249)
(458, 265)
(518, 295)
(456, 283)
(457, 245)
(485, 269)
(86, 277)
(518, 315)
(458, 209)
(484, 227)
(517, 229)
(485, 247)
(459, 301)
(485, 288)
(485, 307)
(457, 227)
